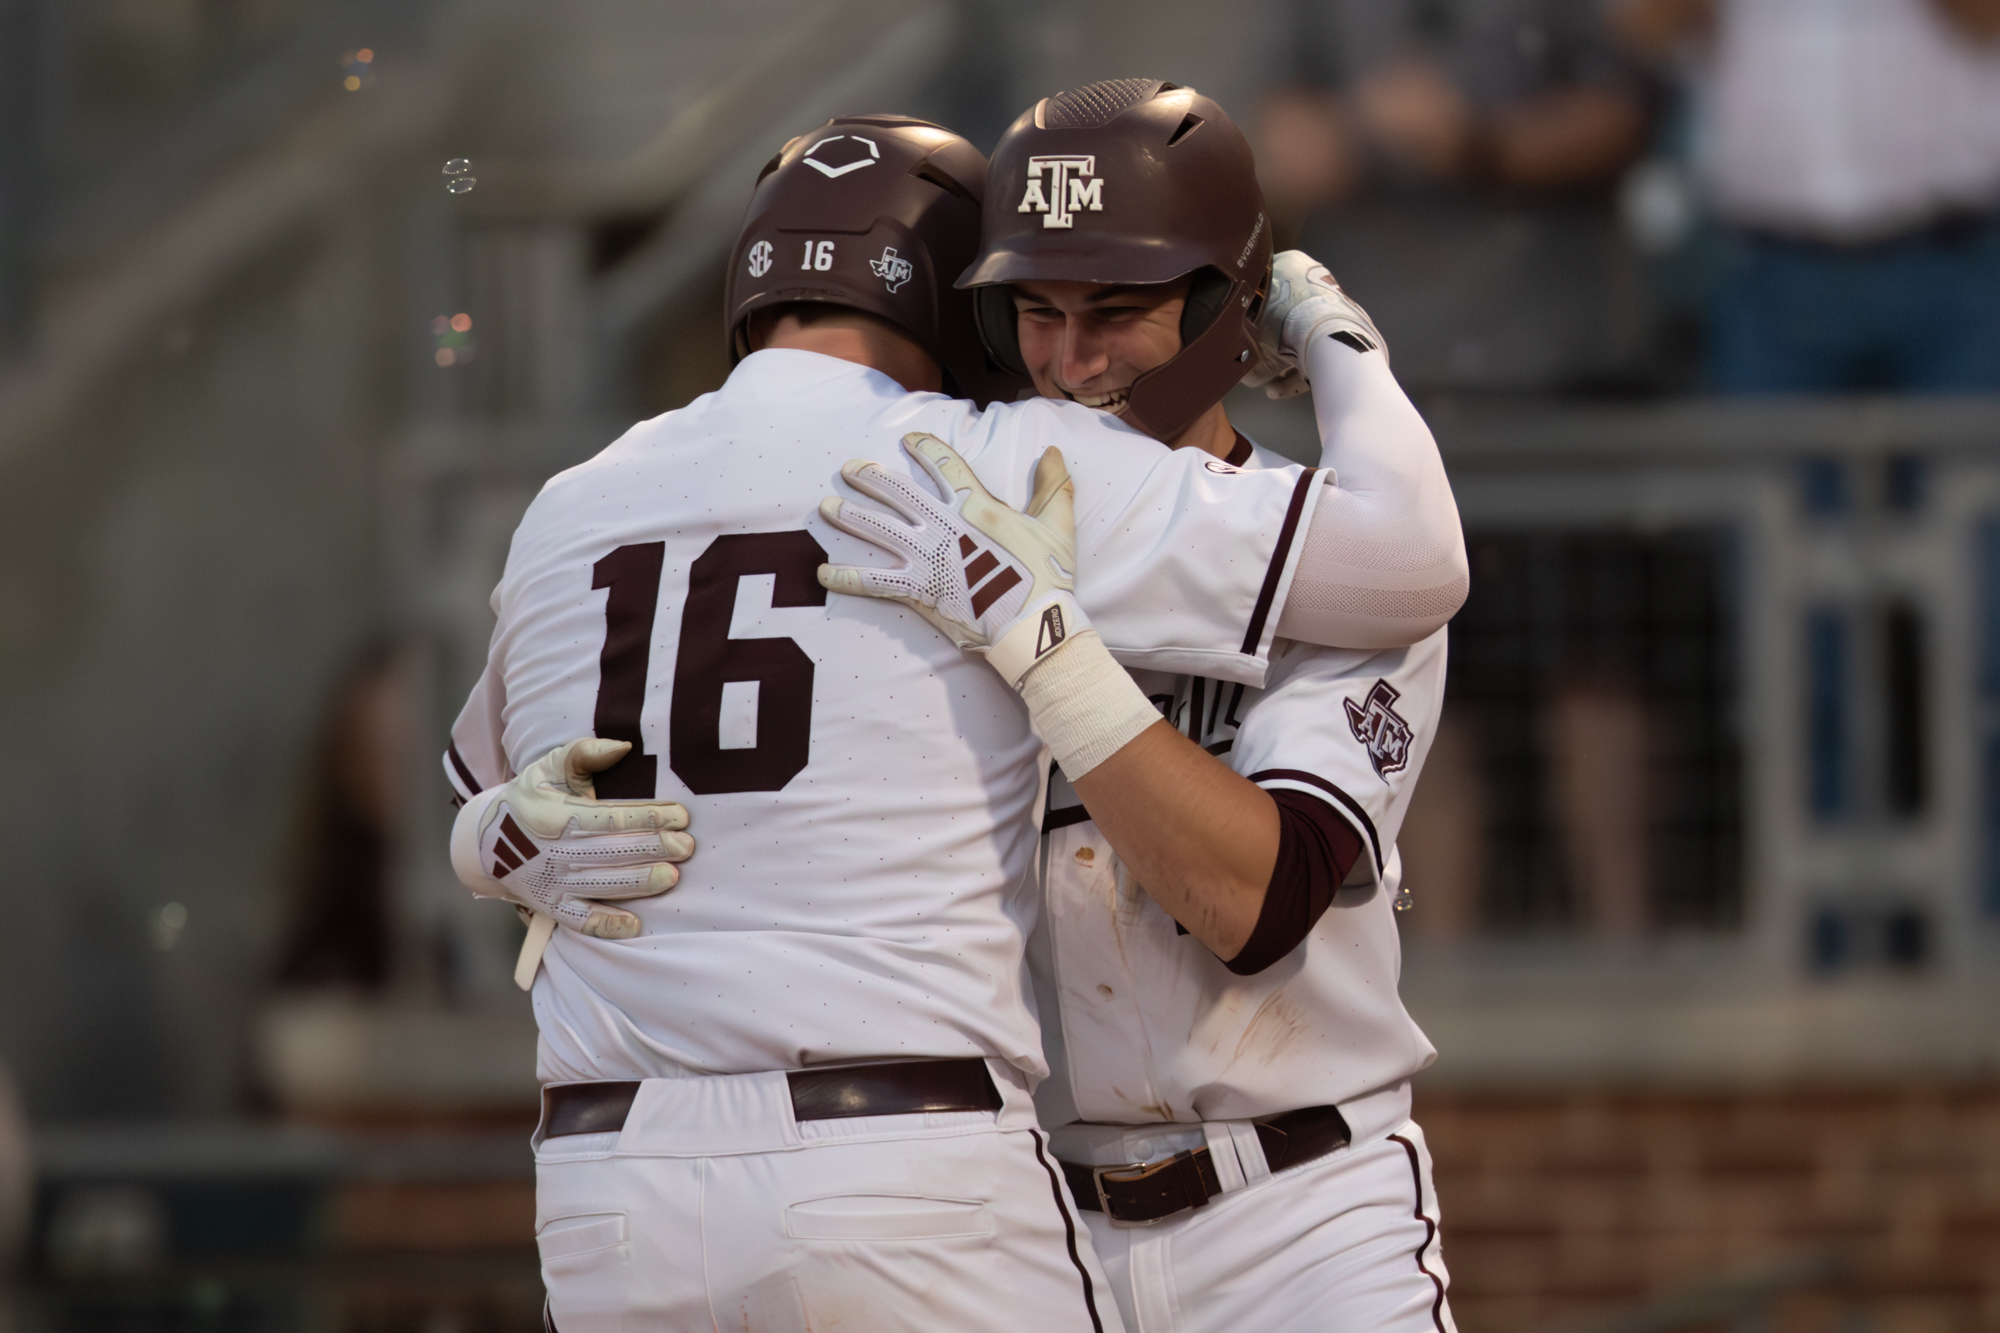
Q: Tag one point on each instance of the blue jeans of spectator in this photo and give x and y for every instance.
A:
(1916, 314)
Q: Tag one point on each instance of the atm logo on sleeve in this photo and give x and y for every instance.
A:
(1377, 725)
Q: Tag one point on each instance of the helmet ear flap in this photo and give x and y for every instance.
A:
(999, 329)
(1207, 294)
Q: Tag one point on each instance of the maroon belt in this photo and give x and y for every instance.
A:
(903, 1088)
(1137, 1194)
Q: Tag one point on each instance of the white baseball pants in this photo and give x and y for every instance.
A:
(715, 1209)
(1348, 1242)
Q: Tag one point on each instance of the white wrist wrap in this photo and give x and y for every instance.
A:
(1040, 631)
(1084, 705)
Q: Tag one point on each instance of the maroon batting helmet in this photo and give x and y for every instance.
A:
(876, 213)
(1132, 180)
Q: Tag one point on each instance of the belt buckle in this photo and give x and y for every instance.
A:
(1097, 1175)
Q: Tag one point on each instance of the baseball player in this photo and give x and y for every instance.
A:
(795, 1090)
(1230, 1060)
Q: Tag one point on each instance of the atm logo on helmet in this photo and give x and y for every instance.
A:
(1073, 187)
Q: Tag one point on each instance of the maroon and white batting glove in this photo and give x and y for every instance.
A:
(1305, 303)
(1001, 583)
(998, 580)
(545, 843)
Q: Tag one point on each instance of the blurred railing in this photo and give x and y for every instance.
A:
(1717, 796)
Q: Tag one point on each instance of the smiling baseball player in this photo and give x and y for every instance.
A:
(795, 1089)
(1230, 1059)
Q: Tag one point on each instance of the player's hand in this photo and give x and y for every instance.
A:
(544, 842)
(997, 581)
(1304, 303)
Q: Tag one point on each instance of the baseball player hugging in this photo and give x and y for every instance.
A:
(867, 639)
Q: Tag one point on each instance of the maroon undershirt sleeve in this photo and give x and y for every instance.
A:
(1316, 849)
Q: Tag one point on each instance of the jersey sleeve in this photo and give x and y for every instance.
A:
(1316, 850)
(1384, 558)
(1350, 732)
(1183, 560)
(476, 758)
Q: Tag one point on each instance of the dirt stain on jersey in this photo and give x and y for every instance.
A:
(1120, 888)
(832, 1306)
(1152, 1110)
(1219, 1021)
(1273, 1028)
(1126, 901)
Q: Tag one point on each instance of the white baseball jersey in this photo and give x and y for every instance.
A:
(861, 790)
(1142, 1022)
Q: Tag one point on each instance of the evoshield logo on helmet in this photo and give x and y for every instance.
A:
(824, 168)
(892, 268)
(760, 259)
(1251, 244)
(1068, 191)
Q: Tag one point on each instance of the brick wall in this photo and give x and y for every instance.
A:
(1561, 1206)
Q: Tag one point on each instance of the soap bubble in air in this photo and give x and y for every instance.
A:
(458, 173)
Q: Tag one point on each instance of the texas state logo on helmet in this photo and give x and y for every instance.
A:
(875, 213)
(1132, 180)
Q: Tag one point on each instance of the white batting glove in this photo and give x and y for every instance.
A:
(997, 581)
(1304, 303)
(957, 557)
(545, 843)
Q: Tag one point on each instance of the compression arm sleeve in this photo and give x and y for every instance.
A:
(1383, 564)
(1316, 849)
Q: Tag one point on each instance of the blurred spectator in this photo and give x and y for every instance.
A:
(1597, 760)
(340, 932)
(1444, 842)
(1852, 150)
(1447, 159)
